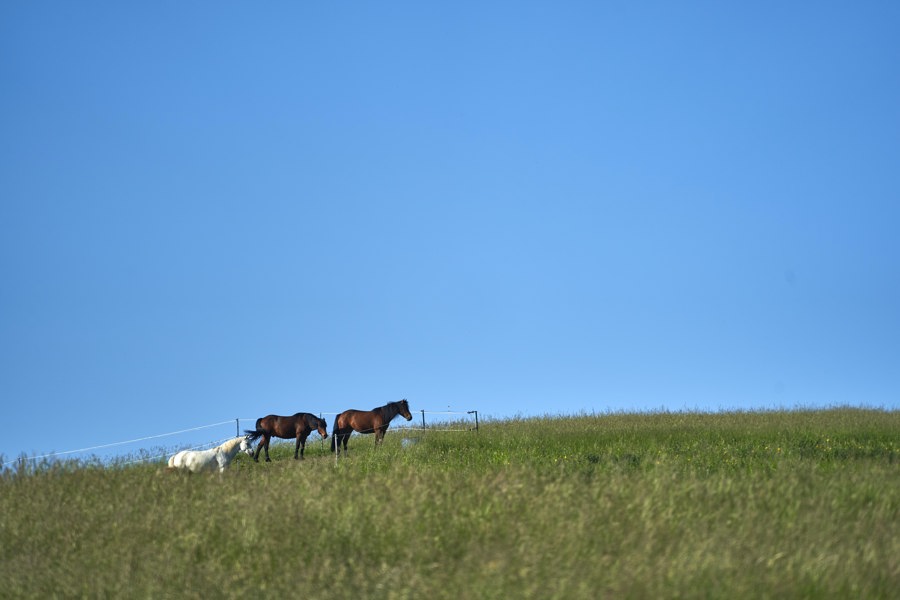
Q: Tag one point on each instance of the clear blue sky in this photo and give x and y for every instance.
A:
(217, 210)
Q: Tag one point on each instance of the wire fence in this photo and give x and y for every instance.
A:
(424, 420)
(445, 424)
(143, 439)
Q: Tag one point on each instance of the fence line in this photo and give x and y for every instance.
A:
(337, 446)
(143, 439)
(400, 428)
(428, 428)
(427, 412)
(158, 456)
(237, 422)
(410, 427)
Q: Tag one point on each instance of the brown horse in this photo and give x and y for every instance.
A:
(298, 426)
(366, 421)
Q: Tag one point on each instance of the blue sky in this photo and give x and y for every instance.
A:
(212, 211)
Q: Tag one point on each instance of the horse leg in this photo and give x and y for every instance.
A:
(302, 440)
(258, 448)
(338, 437)
(266, 441)
(301, 445)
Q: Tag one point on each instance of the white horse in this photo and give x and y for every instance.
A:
(207, 460)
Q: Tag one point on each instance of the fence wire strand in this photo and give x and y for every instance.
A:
(143, 439)
(204, 445)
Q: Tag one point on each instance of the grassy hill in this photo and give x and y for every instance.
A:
(730, 505)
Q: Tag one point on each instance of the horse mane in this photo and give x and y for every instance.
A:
(390, 409)
(384, 407)
(227, 446)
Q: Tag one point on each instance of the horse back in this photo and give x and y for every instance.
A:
(345, 419)
(283, 427)
(362, 421)
(272, 425)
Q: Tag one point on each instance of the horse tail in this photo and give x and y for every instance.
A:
(334, 429)
(253, 435)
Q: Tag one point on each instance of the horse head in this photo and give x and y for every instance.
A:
(322, 428)
(246, 445)
(403, 405)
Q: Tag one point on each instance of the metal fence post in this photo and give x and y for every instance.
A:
(476, 419)
(423, 419)
(237, 424)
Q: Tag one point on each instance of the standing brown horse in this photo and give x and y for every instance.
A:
(298, 426)
(366, 421)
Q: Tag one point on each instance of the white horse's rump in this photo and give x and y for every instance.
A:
(208, 460)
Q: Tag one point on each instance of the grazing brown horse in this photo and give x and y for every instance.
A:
(366, 421)
(298, 426)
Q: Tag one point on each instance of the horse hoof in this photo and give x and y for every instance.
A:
(268, 460)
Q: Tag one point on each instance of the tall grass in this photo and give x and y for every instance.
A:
(757, 504)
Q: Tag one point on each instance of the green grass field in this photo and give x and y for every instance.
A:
(729, 505)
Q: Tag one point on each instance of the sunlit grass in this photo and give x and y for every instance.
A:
(768, 504)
